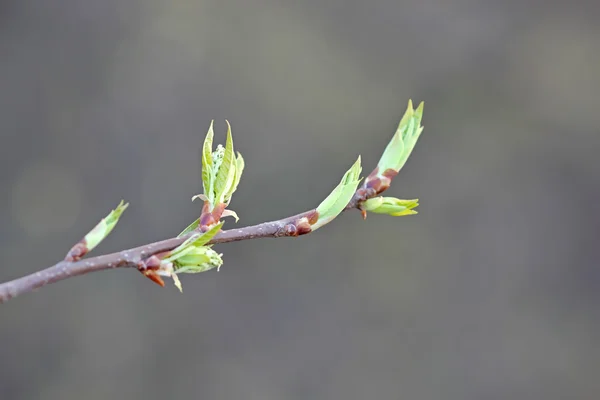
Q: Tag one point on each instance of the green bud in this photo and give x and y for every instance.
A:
(339, 197)
(105, 226)
(221, 169)
(192, 256)
(391, 206)
(403, 142)
(198, 259)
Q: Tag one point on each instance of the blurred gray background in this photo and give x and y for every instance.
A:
(491, 292)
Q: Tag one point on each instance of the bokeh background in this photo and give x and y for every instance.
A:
(491, 292)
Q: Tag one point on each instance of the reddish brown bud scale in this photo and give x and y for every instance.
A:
(373, 174)
(313, 217)
(379, 182)
(361, 192)
(205, 221)
(373, 183)
(210, 218)
(303, 227)
(149, 266)
(79, 250)
(290, 230)
(206, 217)
(390, 173)
(367, 193)
(205, 208)
(364, 193)
(386, 180)
(154, 277)
(152, 262)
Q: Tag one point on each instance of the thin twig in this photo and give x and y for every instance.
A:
(132, 257)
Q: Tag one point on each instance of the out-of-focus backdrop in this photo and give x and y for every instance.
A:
(491, 292)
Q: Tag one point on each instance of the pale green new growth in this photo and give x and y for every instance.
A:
(192, 256)
(402, 144)
(221, 170)
(226, 172)
(104, 227)
(239, 168)
(391, 206)
(190, 228)
(198, 259)
(207, 160)
(230, 213)
(198, 239)
(340, 196)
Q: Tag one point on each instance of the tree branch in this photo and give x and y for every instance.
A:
(221, 171)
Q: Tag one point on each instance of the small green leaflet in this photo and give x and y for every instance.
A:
(340, 196)
(105, 226)
(404, 140)
(207, 161)
(226, 174)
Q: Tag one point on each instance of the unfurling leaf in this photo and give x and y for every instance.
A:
(226, 174)
(97, 234)
(230, 213)
(191, 227)
(192, 256)
(197, 239)
(391, 206)
(198, 259)
(339, 197)
(403, 142)
(239, 168)
(105, 226)
(207, 160)
(221, 171)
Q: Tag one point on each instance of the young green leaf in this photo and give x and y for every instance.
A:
(97, 234)
(207, 236)
(230, 213)
(192, 256)
(105, 226)
(207, 160)
(239, 168)
(190, 260)
(197, 239)
(403, 142)
(339, 197)
(226, 174)
(199, 259)
(391, 206)
(191, 227)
